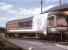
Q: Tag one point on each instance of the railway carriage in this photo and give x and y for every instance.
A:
(53, 21)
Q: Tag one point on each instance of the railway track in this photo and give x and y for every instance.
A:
(33, 44)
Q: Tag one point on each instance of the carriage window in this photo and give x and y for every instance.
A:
(60, 17)
(50, 21)
(66, 18)
(25, 23)
(61, 20)
(51, 18)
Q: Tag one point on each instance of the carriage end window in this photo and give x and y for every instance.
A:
(50, 21)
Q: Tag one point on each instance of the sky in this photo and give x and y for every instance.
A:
(19, 9)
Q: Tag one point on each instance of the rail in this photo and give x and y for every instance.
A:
(55, 26)
(58, 28)
(15, 28)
